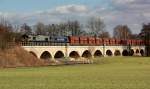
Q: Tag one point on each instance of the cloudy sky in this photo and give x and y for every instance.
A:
(130, 12)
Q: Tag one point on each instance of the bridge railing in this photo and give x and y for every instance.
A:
(41, 44)
(64, 44)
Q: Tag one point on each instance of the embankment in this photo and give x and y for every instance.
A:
(18, 57)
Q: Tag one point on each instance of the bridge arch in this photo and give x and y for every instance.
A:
(74, 54)
(97, 53)
(117, 53)
(87, 54)
(142, 52)
(33, 54)
(109, 53)
(125, 53)
(131, 53)
(46, 55)
(59, 55)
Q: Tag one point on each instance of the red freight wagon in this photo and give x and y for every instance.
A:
(106, 41)
(142, 42)
(118, 41)
(137, 42)
(91, 40)
(112, 41)
(74, 40)
(99, 41)
(123, 42)
(83, 40)
(129, 42)
(133, 42)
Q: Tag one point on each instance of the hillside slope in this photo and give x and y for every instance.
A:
(18, 57)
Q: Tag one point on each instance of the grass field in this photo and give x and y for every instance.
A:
(106, 73)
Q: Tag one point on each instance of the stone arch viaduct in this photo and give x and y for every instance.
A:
(59, 52)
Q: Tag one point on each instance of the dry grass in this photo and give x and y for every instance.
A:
(18, 57)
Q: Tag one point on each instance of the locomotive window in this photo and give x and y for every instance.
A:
(34, 38)
(46, 39)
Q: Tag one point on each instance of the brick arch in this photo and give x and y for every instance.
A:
(59, 55)
(125, 53)
(109, 53)
(38, 50)
(142, 52)
(98, 53)
(74, 54)
(131, 52)
(117, 53)
(87, 54)
(46, 55)
(33, 53)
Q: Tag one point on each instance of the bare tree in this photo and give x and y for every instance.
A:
(5, 29)
(40, 29)
(145, 35)
(104, 35)
(26, 29)
(65, 29)
(145, 32)
(122, 32)
(95, 25)
(62, 29)
(74, 28)
(7, 34)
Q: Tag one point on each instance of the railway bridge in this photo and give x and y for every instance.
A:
(53, 52)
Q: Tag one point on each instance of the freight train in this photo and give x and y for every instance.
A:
(86, 40)
(74, 40)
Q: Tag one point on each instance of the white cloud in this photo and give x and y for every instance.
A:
(130, 12)
(72, 9)
(123, 1)
(55, 15)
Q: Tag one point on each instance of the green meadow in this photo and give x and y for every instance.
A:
(105, 73)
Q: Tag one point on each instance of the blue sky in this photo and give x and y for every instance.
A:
(113, 12)
(35, 5)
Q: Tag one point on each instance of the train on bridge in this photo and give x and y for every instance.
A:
(48, 47)
(74, 40)
(80, 40)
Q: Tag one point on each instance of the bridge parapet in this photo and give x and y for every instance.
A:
(42, 43)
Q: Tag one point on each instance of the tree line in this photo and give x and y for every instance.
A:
(7, 34)
(93, 27)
